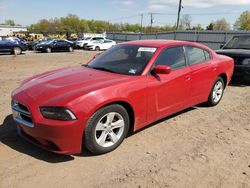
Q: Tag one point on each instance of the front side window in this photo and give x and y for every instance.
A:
(173, 57)
(124, 59)
(195, 55)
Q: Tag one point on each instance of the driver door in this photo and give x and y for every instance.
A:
(169, 93)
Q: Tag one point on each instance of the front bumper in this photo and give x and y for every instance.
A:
(89, 47)
(63, 137)
(241, 72)
(40, 49)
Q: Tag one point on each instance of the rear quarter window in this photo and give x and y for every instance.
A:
(197, 55)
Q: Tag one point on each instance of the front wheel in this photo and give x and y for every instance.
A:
(48, 50)
(106, 129)
(71, 49)
(97, 48)
(216, 93)
(17, 50)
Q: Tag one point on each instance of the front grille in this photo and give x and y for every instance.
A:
(21, 114)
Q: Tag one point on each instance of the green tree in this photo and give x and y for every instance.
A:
(243, 22)
(198, 27)
(210, 26)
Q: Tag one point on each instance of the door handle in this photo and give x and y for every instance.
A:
(214, 68)
(188, 77)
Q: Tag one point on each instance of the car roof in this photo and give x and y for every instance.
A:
(161, 43)
(243, 35)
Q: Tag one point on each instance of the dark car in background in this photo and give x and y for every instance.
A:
(55, 45)
(239, 49)
(32, 44)
(14, 47)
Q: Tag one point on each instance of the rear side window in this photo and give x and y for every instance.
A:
(207, 55)
(173, 57)
(197, 55)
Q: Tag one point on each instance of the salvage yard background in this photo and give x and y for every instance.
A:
(199, 147)
(212, 39)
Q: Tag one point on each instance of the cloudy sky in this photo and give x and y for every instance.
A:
(202, 12)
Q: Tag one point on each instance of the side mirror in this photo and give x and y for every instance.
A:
(221, 46)
(162, 69)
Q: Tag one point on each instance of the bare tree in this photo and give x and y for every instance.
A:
(221, 24)
(186, 20)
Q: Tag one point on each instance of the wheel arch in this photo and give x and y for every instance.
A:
(224, 77)
(128, 107)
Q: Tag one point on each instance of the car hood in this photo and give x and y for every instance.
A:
(234, 52)
(67, 82)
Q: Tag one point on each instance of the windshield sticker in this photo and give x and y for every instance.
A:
(132, 71)
(146, 49)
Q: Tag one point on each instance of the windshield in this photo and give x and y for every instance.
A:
(240, 42)
(124, 59)
(88, 38)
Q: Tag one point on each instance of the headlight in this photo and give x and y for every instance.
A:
(246, 61)
(57, 113)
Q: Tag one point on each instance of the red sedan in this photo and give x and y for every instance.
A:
(124, 89)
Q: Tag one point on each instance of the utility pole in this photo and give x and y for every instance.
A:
(141, 22)
(151, 21)
(178, 16)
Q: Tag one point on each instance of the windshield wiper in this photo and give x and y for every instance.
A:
(102, 68)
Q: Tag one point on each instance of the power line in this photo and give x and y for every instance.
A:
(127, 17)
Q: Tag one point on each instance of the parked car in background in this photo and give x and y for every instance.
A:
(32, 44)
(124, 89)
(239, 49)
(14, 47)
(100, 45)
(85, 41)
(55, 45)
(13, 39)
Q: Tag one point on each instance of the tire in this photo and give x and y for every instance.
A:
(106, 129)
(17, 51)
(97, 48)
(216, 93)
(48, 50)
(71, 49)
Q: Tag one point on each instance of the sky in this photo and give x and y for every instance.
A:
(26, 12)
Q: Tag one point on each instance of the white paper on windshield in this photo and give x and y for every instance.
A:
(132, 71)
(146, 49)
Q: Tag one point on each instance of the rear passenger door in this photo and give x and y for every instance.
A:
(202, 73)
(60, 45)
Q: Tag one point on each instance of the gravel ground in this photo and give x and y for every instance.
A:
(199, 147)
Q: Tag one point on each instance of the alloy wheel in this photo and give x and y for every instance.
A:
(217, 91)
(109, 129)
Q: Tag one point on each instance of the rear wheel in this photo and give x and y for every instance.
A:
(97, 48)
(106, 129)
(48, 50)
(216, 92)
(17, 50)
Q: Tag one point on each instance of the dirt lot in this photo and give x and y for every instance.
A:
(200, 147)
